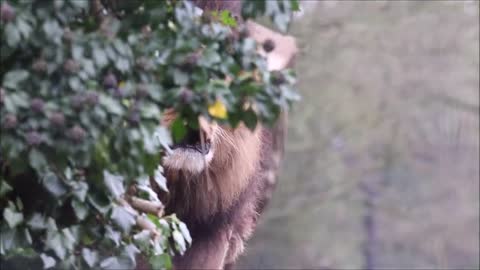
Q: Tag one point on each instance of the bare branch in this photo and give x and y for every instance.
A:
(154, 208)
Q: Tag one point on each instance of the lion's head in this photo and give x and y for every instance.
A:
(210, 176)
(221, 148)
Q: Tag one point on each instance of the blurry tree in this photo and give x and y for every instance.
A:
(82, 95)
(381, 168)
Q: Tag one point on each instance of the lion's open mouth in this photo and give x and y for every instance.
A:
(192, 141)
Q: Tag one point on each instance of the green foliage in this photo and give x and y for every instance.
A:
(278, 11)
(80, 108)
(225, 17)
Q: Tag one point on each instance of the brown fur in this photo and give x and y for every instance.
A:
(221, 206)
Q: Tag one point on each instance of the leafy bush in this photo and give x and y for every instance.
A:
(81, 99)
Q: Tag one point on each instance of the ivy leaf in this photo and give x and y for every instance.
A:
(184, 230)
(282, 21)
(142, 239)
(51, 224)
(290, 94)
(12, 35)
(227, 19)
(80, 191)
(8, 240)
(28, 236)
(37, 222)
(80, 209)
(81, 5)
(100, 57)
(87, 240)
(209, 57)
(253, 8)
(48, 261)
(160, 179)
(295, 5)
(250, 119)
(162, 261)
(54, 185)
(130, 251)
(150, 111)
(52, 30)
(99, 203)
(77, 52)
(75, 83)
(113, 235)
(149, 142)
(179, 130)
(68, 239)
(12, 217)
(4, 188)
(163, 137)
(154, 219)
(143, 184)
(89, 256)
(123, 218)
(180, 77)
(37, 160)
(116, 263)
(121, 47)
(68, 173)
(110, 263)
(179, 242)
(122, 64)
(55, 243)
(14, 77)
(114, 184)
(111, 105)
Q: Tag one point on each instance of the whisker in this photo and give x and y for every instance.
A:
(222, 133)
(207, 175)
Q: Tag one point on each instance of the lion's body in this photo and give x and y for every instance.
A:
(221, 208)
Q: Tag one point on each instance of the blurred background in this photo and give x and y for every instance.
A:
(382, 158)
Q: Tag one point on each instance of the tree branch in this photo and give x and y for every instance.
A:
(154, 208)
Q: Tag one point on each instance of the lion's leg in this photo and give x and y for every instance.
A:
(207, 252)
(229, 266)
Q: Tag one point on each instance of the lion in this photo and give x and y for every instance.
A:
(219, 187)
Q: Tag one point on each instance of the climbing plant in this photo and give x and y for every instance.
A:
(83, 88)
